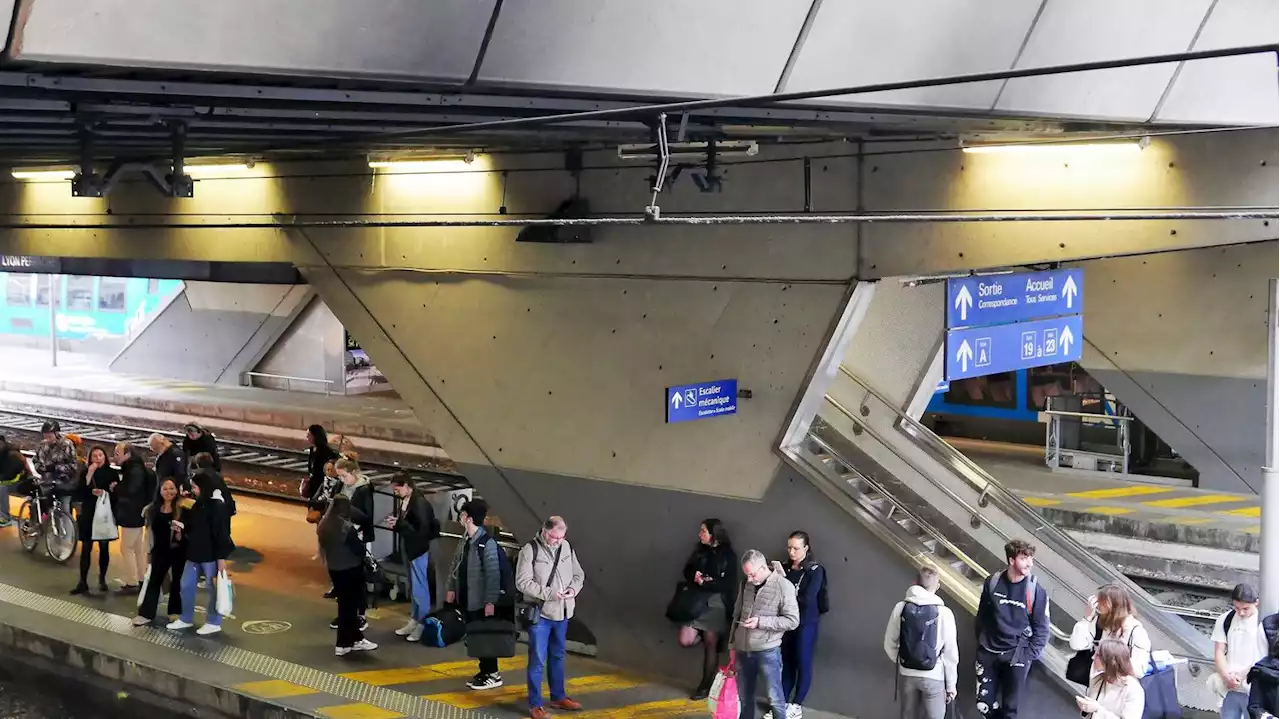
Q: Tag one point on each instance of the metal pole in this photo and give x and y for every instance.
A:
(1270, 555)
(53, 319)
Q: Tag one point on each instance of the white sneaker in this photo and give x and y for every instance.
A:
(407, 629)
(341, 651)
(416, 634)
(364, 645)
(207, 629)
(794, 711)
(141, 621)
(178, 625)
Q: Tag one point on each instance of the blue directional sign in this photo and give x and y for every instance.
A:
(979, 351)
(998, 299)
(688, 402)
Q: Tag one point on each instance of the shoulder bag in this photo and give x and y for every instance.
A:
(531, 612)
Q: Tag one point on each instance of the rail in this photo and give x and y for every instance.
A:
(992, 492)
(1088, 415)
(1054, 453)
(246, 380)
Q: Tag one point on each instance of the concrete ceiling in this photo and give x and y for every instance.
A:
(326, 76)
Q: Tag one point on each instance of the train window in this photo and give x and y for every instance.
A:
(79, 292)
(997, 390)
(1048, 381)
(153, 286)
(43, 282)
(111, 292)
(17, 291)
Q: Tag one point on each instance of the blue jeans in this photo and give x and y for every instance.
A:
(419, 590)
(1235, 705)
(750, 666)
(546, 649)
(190, 576)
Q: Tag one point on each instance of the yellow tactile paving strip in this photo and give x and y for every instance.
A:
(1175, 505)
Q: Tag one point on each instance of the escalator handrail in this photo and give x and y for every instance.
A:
(1060, 542)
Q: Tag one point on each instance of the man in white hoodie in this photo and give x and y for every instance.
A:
(921, 639)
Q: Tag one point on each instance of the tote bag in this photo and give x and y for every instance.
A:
(722, 700)
(104, 521)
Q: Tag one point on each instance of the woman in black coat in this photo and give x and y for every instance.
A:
(319, 453)
(712, 575)
(97, 478)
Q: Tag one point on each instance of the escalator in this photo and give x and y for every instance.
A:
(936, 507)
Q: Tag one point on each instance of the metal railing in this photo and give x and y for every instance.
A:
(246, 380)
(1053, 452)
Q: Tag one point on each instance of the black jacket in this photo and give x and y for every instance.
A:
(137, 487)
(13, 466)
(204, 443)
(171, 463)
(206, 532)
(1262, 688)
(317, 458)
(362, 511)
(103, 478)
(416, 526)
(719, 567)
(216, 482)
(342, 550)
(163, 539)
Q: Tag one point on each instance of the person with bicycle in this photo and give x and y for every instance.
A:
(56, 457)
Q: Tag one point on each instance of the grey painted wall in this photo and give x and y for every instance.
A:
(312, 347)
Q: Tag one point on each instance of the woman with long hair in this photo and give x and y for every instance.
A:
(97, 478)
(204, 526)
(1113, 693)
(319, 453)
(711, 572)
(1110, 616)
(344, 556)
(168, 553)
(798, 645)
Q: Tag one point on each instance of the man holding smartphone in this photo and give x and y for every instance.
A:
(766, 609)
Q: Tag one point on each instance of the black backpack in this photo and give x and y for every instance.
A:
(506, 573)
(918, 636)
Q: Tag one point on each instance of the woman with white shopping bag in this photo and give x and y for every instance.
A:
(206, 531)
(96, 519)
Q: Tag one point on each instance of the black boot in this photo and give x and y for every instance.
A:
(704, 687)
(81, 588)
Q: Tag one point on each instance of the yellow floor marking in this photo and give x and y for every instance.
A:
(648, 710)
(1108, 510)
(1196, 501)
(429, 672)
(274, 689)
(1253, 530)
(468, 699)
(357, 711)
(1041, 501)
(1244, 512)
(1193, 520)
(1114, 492)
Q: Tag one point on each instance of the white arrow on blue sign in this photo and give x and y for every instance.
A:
(984, 300)
(978, 351)
(703, 400)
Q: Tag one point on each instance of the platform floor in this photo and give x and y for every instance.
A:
(1022, 469)
(278, 645)
(385, 418)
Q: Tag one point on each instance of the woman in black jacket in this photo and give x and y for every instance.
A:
(168, 553)
(344, 556)
(712, 573)
(97, 479)
(204, 528)
(319, 453)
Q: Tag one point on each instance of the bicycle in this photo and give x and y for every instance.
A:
(46, 514)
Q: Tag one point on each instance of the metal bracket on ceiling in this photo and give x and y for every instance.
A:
(653, 212)
(709, 181)
(170, 181)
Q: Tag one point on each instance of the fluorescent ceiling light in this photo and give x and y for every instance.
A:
(43, 174)
(229, 168)
(421, 162)
(1064, 148)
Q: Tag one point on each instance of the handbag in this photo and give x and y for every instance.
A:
(1080, 665)
(490, 638)
(1160, 686)
(104, 521)
(722, 700)
(225, 595)
(687, 603)
(531, 612)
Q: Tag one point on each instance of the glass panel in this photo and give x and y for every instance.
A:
(18, 289)
(153, 286)
(111, 293)
(997, 390)
(79, 293)
(42, 290)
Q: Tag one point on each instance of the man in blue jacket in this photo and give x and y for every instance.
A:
(1013, 628)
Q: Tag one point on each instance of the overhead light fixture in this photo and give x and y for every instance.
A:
(410, 163)
(35, 174)
(1061, 148)
(230, 168)
(688, 150)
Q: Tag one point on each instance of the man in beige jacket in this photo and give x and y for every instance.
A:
(766, 610)
(548, 576)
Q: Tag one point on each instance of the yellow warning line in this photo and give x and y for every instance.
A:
(357, 711)
(1255, 529)
(1110, 511)
(274, 689)
(1041, 501)
(1116, 492)
(1193, 520)
(517, 692)
(648, 710)
(1243, 512)
(1197, 501)
(429, 672)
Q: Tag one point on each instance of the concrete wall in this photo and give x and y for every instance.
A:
(212, 332)
(311, 347)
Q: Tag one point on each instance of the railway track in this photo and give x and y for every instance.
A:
(1198, 606)
(277, 460)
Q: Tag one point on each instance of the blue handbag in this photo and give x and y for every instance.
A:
(1161, 688)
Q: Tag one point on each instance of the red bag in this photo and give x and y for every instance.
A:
(722, 700)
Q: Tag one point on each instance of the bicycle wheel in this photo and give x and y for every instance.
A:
(60, 537)
(28, 527)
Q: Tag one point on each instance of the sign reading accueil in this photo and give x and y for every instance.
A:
(979, 351)
(688, 402)
(998, 299)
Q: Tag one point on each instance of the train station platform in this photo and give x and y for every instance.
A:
(276, 652)
(380, 422)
